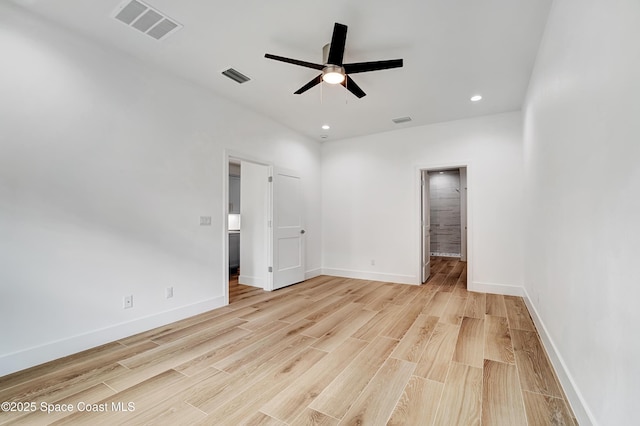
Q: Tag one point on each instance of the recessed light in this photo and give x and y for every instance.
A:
(325, 127)
(476, 98)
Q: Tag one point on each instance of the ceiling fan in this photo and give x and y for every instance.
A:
(333, 70)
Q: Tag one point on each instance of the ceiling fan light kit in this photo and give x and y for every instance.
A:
(333, 74)
(334, 71)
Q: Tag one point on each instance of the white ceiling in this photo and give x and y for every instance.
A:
(452, 49)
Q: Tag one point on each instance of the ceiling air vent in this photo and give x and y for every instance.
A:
(236, 76)
(146, 19)
(401, 120)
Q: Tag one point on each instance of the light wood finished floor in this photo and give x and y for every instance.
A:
(327, 351)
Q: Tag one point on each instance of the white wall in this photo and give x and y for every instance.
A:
(106, 166)
(371, 204)
(582, 147)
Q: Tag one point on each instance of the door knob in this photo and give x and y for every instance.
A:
(302, 231)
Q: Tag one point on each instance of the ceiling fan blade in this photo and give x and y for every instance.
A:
(357, 67)
(338, 40)
(353, 87)
(309, 85)
(294, 61)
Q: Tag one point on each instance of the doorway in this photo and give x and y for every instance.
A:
(443, 218)
(248, 236)
(266, 218)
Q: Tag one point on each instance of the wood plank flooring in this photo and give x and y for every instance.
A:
(328, 351)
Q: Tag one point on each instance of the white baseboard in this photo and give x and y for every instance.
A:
(373, 276)
(16, 361)
(312, 273)
(504, 289)
(578, 404)
(252, 281)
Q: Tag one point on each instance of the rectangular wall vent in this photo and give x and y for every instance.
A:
(146, 19)
(236, 76)
(401, 120)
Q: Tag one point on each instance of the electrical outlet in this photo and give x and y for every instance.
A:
(127, 302)
(373, 262)
(205, 220)
(168, 293)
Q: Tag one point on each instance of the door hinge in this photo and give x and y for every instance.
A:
(268, 224)
(270, 179)
(270, 269)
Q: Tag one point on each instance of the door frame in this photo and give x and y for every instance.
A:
(425, 192)
(236, 155)
(418, 213)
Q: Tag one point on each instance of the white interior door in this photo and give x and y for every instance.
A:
(288, 231)
(426, 228)
(254, 231)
